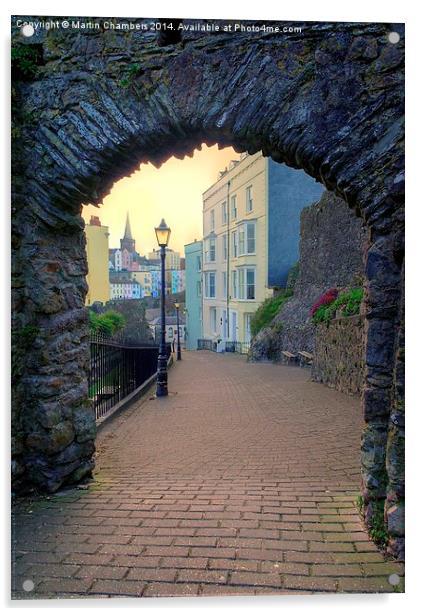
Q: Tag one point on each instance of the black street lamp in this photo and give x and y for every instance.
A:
(179, 352)
(163, 235)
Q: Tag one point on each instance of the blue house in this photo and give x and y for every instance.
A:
(289, 191)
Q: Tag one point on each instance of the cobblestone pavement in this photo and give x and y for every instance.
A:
(242, 481)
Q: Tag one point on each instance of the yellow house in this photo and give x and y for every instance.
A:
(251, 223)
(97, 255)
(235, 249)
(172, 258)
(145, 280)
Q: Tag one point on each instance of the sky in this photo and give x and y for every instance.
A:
(173, 192)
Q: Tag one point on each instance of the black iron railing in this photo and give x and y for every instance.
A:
(228, 346)
(206, 345)
(117, 370)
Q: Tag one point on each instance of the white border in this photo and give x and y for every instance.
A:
(322, 10)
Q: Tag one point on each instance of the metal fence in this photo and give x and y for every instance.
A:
(118, 369)
(227, 346)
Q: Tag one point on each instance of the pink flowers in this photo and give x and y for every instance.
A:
(326, 298)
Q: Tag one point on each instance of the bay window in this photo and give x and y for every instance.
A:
(245, 283)
(247, 238)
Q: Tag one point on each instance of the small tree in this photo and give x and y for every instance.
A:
(108, 323)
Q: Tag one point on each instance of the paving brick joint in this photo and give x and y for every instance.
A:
(243, 481)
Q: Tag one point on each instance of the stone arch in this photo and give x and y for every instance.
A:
(328, 100)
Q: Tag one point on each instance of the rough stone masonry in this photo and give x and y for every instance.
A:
(90, 106)
(332, 246)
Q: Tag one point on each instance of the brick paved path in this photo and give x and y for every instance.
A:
(242, 481)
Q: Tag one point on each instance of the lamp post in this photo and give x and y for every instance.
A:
(163, 235)
(179, 352)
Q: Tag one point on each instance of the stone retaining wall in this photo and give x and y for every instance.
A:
(333, 241)
(338, 357)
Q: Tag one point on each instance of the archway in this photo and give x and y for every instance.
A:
(328, 100)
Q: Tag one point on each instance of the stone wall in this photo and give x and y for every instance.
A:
(338, 354)
(331, 254)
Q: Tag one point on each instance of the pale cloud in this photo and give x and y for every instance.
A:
(173, 192)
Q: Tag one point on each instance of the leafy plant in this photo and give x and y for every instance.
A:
(108, 323)
(377, 529)
(268, 310)
(348, 302)
(133, 70)
(325, 299)
(25, 61)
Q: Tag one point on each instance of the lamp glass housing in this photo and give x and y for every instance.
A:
(162, 233)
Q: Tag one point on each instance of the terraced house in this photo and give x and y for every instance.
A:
(249, 242)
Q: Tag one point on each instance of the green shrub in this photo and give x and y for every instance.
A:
(348, 302)
(107, 324)
(268, 310)
(132, 71)
(25, 61)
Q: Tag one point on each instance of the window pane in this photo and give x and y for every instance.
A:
(249, 202)
(250, 282)
(234, 207)
(241, 284)
(212, 250)
(212, 284)
(242, 240)
(250, 237)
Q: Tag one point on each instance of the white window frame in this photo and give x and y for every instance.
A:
(213, 249)
(233, 205)
(210, 243)
(244, 244)
(249, 199)
(224, 213)
(241, 236)
(212, 220)
(235, 244)
(213, 319)
(234, 284)
(224, 241)
(247, 326)
(208, 285)
(243, 285)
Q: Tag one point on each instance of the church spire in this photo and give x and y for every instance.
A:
(127, 241)
(128, 232)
